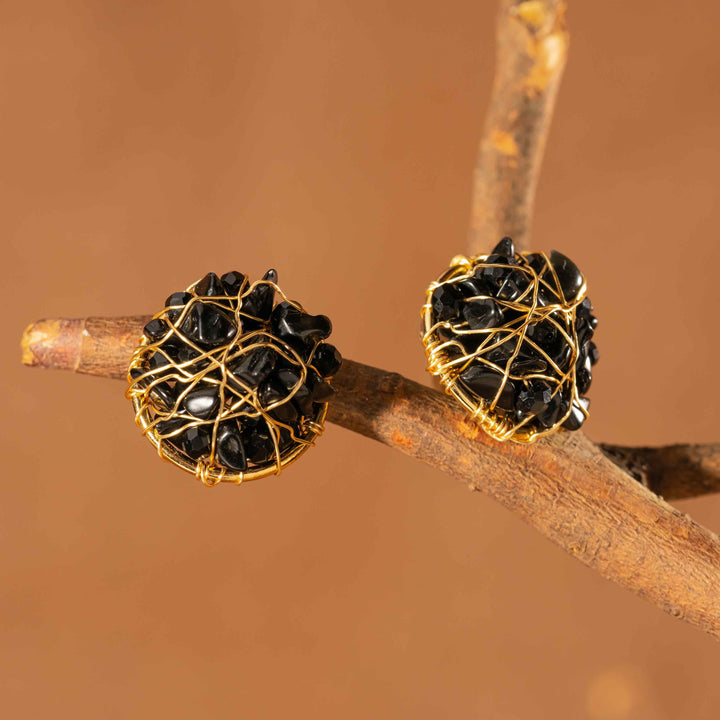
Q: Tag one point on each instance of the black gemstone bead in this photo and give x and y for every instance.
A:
(270, 392)
(445, 302)
(505, 247)
(169, 426)
(156, 329)
(534, 398)
(326, 359)
(195, 441)
(583, 376)
(203, 402)
(254, 366)
(513, 286)
(271, 276)
(180, 352)
(322, 392)
(569, 277)
(493, 271)
(543, 333)
(208, 325)
(576, 417)
(209, 286)
(555, 409)
(163, 396)
(525, 364)
(537, 262)
(472, 287)
(175, 303)
(593, 353)
(229, 448)
(482, 313)
(290, 380)
(233, 282)
(158, 360)
(258, 304)
(485, 382)
(297, 328)
(258, 444)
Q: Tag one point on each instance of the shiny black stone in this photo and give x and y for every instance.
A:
(254, 366)
(537, 262)
(505, 247)
(525, 364)
(155, 329)
(302, 399)
(297, 328)
(203, 402)
(258, 304)
(158, 360)
(322, 392)
(175, 303)
(482, 313)
(494, 270)
(229, 448)
(210, 286)
(208, 325)
(583, 376)
(179, 352)
(258, 444)
(271, 392)
(163, 396)
(195, 441)
(569, 277)
(555, 409)
(593, 353)
(513, 286)
(166, 427)
(472, 287)
(271, 276)
(326, 359)
(543, 333)
(233, 282)
(445, 301)
(534, 398)
(485, 383)
(576, 417)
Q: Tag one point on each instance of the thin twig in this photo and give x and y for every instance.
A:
(565, 486)
(532, 48)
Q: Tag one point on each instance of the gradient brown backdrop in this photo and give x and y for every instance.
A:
(144, 143)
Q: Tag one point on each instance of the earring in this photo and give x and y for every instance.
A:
(510, 336)
(230, 380)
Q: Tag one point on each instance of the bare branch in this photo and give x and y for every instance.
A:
(564, 486)
(532, 48)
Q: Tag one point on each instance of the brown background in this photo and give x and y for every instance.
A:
(144, 143)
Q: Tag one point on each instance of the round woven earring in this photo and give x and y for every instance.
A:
(230, 380)
(510, 336)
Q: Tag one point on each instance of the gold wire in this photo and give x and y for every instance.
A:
(148, 414)
(448, 368)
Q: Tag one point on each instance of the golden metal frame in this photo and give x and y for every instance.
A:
(447, 368)
(148, 414)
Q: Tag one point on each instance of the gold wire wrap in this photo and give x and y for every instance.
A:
(447, 364)
(234, 399)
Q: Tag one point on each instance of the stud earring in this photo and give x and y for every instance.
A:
(510, 336)
(230, 380)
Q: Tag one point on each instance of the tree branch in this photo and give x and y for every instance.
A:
(564, 486)
(531, 52)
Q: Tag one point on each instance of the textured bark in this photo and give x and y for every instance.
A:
(564, 486)
(532, 48)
